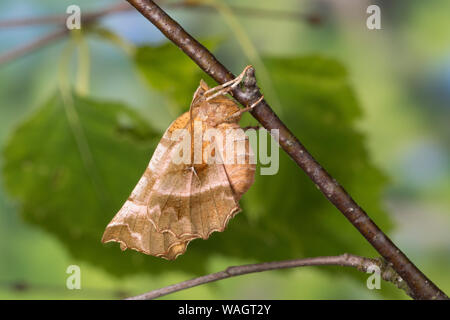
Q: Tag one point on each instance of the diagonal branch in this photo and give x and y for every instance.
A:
(345, 260)
(421, 287)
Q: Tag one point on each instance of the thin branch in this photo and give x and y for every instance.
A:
(33, 46)
(345, 260)
(54, 36)
(421, 287)
(32, 21)
(61, 18)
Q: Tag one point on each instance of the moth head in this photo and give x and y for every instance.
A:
(199, 94)
(216, 110)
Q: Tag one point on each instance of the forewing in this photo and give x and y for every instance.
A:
(192, 204)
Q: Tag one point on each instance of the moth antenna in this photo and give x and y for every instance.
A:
(222, 92)
(254, 104)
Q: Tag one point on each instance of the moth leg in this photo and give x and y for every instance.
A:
(241, 111)
(221, 92)
(226, 87)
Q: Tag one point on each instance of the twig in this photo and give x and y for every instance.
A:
(345, 260)
(61, 18)
(421, 287)
(88, 18)
(32, 21)
(33, 46)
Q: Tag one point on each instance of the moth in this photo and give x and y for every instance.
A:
(176, 202)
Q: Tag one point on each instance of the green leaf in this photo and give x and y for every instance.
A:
(284, 216)
(169, 71)
(321, 109)
(75, 199)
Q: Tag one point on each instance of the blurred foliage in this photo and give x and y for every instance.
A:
(70, 190)
(400, 74)
(165, 66)
(73, 191)
(319, 105)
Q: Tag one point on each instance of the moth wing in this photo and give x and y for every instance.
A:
(192, 204)
(133, 230)
(240, 163)
(131, 226)
(172, 204)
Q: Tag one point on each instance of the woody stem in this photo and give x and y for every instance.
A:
(346, 260)
(421, 287)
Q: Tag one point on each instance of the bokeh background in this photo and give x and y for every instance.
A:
(383, 95)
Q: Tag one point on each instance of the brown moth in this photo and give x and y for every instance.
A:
(175, 203)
